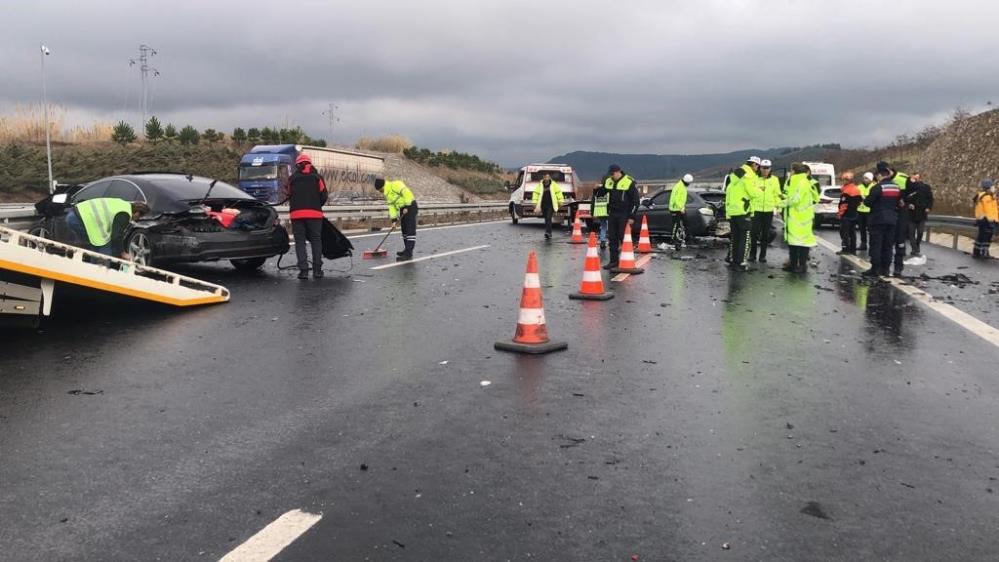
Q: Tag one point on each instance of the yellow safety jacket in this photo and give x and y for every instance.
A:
(800, 217)
(397, 195)
(740, 192)
(865, 190)
(678, 198)
(769, 196)
(97, 216)
(557, 196)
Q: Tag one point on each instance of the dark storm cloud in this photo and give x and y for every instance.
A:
(520, 80)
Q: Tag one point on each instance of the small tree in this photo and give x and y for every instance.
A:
(170, 133)
(238, 136)
(154, 131)
(318, 142)
(208, 136)
(253, 135)
(188, 135)
(291, 136)
(123, 133)
(267, 135)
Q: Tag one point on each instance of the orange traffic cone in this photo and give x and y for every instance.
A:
(592, 287)
(577, 232)
(644, 243)
(626, 262)
(532, 333)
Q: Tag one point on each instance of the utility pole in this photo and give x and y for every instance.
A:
(45, 105)
(331, 114)
(145, 53)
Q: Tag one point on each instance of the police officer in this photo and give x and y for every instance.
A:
(902, 181)
(884, 201)
(598, 207)
(799, 218)
(621, 209)
(743, 185)
(678, 209)
(763, 204)
(306, 196)
(863, 211)
(401, 203)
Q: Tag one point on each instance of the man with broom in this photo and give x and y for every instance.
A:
(401, 207)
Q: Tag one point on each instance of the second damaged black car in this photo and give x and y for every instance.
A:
(191, 219)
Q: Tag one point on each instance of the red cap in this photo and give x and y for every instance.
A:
(303, 158)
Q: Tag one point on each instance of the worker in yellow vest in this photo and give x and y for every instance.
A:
(863, 211)
(102, 223)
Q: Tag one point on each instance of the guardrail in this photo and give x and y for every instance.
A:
(955, 226)
(21, 217)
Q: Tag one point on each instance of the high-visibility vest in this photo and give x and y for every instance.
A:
(740, 192)
(865, 190)
(900, 180)
(624, 184)
(800, 203)
(397, 195)
(678, 198)
(985, 207)
(557, 196)
(600, 205)
(97, 216)
(769, 196)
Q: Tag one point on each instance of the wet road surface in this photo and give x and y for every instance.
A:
(699, 415)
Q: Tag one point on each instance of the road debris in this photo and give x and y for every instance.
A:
(814, 509)
(485, 383)
(79, 391)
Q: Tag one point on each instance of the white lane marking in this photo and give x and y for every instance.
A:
(640, 262)
(955, 315)
(430, 257)
(382, 233)
(273, 538)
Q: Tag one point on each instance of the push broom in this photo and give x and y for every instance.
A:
(378, 252)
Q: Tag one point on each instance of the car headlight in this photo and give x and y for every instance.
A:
(706, 211)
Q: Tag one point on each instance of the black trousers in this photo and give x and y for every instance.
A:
(548, 219)
(862, 228)
(760, 236)
(798, 258)
(408, 225)
(882, 244)
(916, 234)
(615, 234)
(679, 234)
(984, 240)
(739, 239)
(311, 231)
(848, 235)
(901, 240)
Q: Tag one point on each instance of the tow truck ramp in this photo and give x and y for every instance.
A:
(36, 264)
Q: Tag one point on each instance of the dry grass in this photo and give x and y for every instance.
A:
(394, 144)
(27, 125)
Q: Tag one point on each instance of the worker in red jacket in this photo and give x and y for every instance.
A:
(849, 200)
(306, 196)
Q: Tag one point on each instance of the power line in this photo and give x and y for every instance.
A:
(145, 53)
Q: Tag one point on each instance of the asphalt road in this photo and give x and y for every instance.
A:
(699, 415)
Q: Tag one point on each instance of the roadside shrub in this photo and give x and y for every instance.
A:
(396, 144)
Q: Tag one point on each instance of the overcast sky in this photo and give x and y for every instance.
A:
(518, 80)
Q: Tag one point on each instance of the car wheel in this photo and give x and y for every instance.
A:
(41, 230)
(513, 214)
(248, 264)
(140, 248)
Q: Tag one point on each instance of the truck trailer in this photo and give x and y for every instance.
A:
(265, 169)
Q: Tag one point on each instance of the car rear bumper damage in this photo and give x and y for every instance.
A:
(175, 248)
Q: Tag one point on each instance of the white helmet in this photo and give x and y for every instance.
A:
(766, 164)
(754, 160)
(687, 178)
(868, 176)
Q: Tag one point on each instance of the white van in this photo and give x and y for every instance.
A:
(530, 176)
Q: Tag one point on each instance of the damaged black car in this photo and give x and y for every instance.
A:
(191, 219)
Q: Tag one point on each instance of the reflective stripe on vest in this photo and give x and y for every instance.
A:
(97, 216)
(600, 205)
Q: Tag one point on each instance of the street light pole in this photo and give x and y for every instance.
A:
(45, 104)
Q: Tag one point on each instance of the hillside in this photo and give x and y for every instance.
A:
(593, 165)
(23, 168)
(960, 157)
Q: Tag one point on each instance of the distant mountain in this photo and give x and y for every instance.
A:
(593, 165)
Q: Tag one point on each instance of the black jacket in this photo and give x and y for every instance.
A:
(885, 201)
(306, 194)
(624, 202)
(919, 195)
